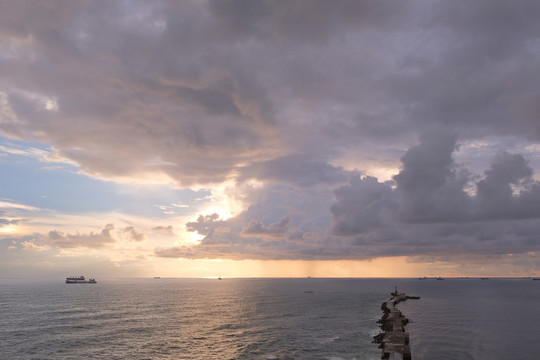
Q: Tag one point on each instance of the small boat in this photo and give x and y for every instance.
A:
(79, 280)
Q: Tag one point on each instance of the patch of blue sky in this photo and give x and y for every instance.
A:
(28, 178)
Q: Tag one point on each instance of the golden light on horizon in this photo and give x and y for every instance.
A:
(227, 268)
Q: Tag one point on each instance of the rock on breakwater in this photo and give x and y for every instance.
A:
(393, 339)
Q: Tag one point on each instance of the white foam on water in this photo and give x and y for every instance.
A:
(329, 340)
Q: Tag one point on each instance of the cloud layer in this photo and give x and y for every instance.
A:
(289, 110)
(426, 211)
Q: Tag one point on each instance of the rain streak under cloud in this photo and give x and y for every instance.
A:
(134, 133)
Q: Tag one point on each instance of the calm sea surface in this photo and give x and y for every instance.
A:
(264, 318)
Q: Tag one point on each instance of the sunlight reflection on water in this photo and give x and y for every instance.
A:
(190, 319)
(264, 319)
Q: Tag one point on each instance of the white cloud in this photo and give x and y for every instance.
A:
(9, 204)
(32, 246)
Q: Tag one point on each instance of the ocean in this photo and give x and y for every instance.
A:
(264, 318)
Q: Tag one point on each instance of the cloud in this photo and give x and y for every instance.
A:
(300, 170)
(6, 220)
(430, 185)
(135, 83)
(425, 212)
(205, 224)
(165, 229)
(363, 205)
(39, 154)
(301, 20)
(259, 229)
(131, 234)
(10, 204)
(33, 246)
(290, 107)
(227, 111)
(91, 240)
(167, 124)
(496, 198)
(527, 111)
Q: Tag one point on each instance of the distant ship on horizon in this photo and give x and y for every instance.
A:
(79, 280)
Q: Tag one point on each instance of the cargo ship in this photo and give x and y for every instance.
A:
(79, 280)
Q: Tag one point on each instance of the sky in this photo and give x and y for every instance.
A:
(242, 138)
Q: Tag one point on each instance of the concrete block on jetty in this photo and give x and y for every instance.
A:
(393, 339)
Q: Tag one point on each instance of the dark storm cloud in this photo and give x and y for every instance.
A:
(499, 25)
(528, 111)
(259, 229)
(217, 231)
(496, 197)
(300, 170)
(314, 20)
(210, 100)
(429, 188)
(430, 185)
(428, 212)
(206, 87)
(479, 71)
(155, 107)
(363, 205)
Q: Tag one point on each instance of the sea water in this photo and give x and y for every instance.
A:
(264, 318)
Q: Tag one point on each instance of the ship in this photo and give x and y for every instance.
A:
(79, 280)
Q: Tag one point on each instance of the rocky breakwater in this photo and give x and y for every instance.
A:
(393, 339)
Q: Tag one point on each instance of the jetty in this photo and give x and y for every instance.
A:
(393, 339)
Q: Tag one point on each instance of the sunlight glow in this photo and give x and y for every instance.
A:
(9, 229)
(191, 238)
